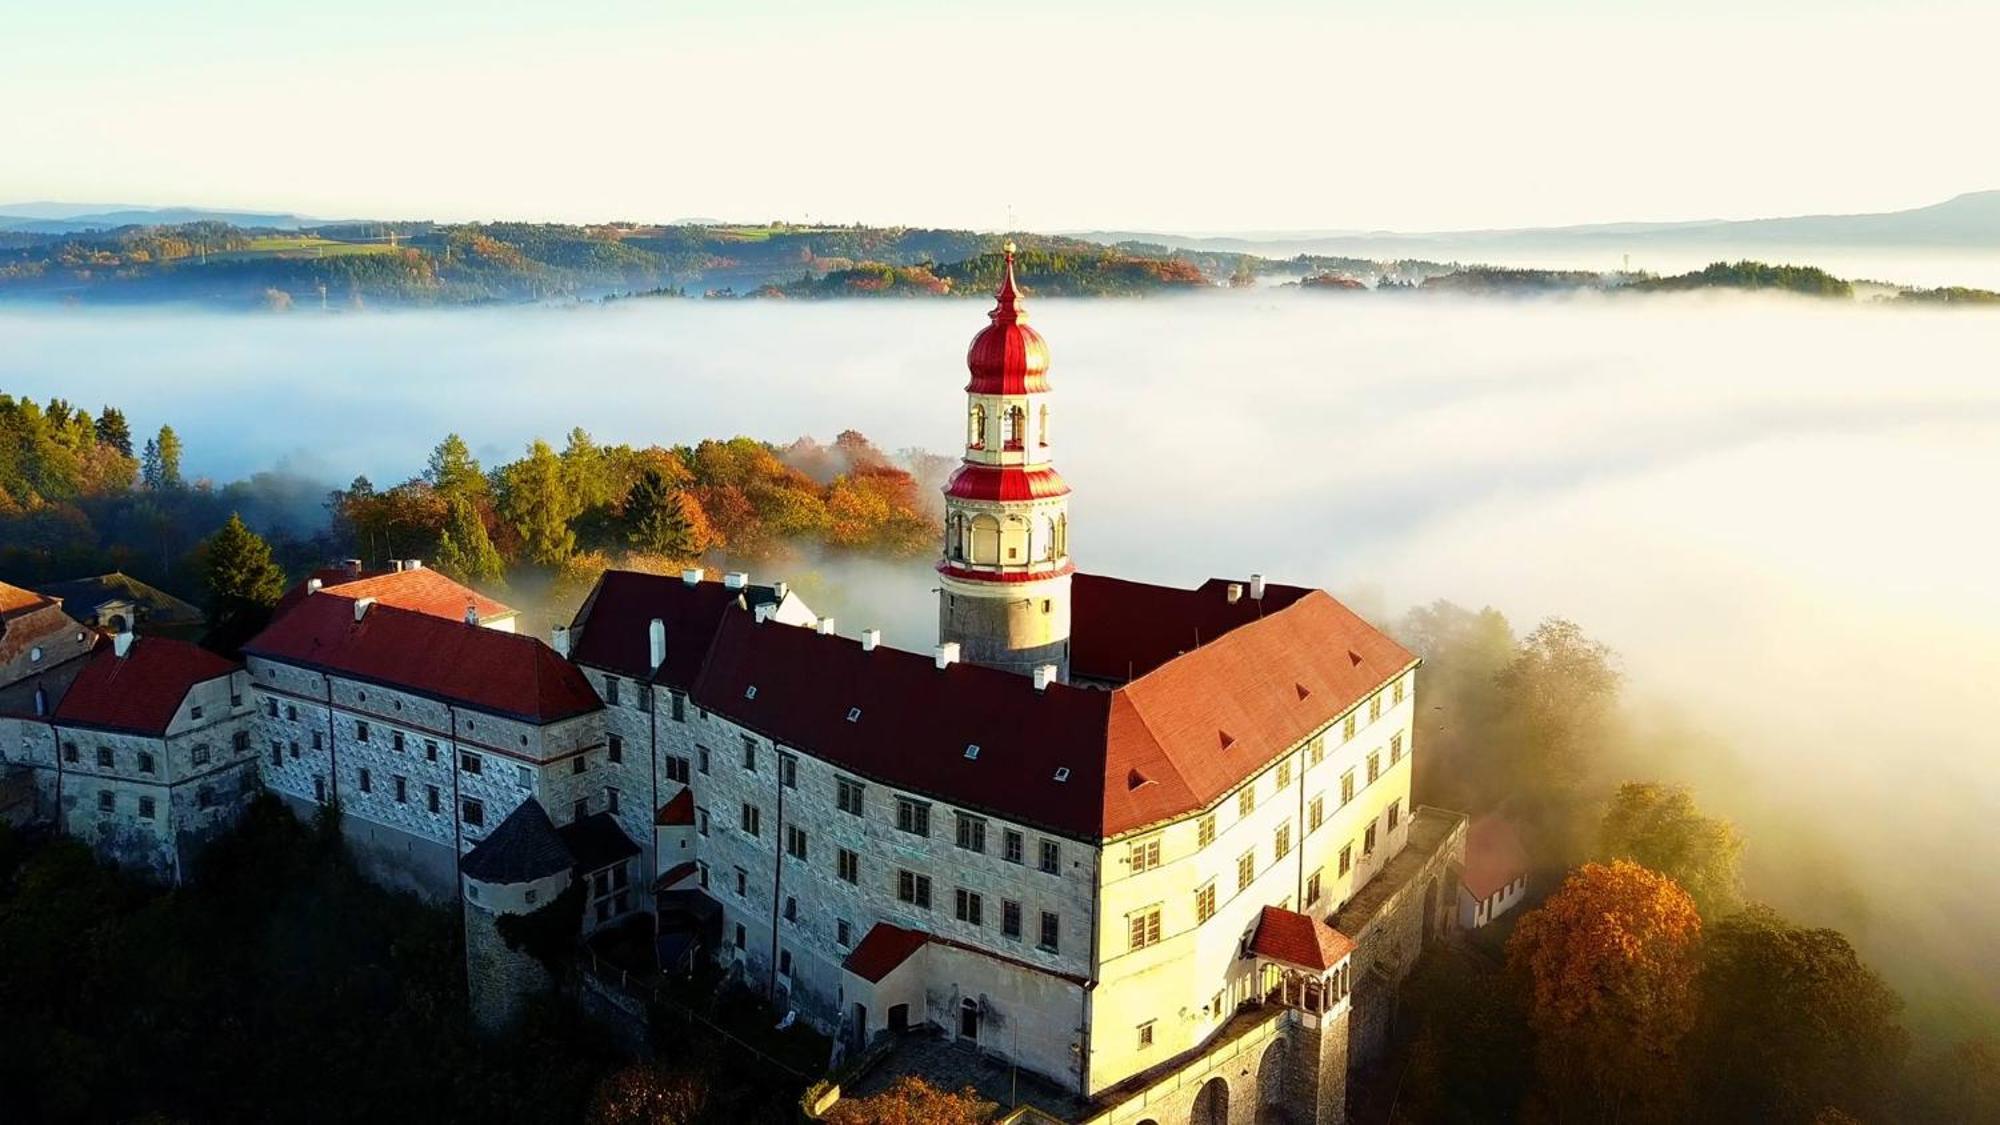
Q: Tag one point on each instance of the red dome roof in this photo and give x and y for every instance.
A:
(1008, 357)
(974, 481)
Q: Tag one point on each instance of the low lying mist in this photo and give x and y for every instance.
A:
(1778, 511)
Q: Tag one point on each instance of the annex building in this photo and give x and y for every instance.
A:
(1148, 851)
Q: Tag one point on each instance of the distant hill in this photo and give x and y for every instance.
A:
(70, 218)
(1970, 221)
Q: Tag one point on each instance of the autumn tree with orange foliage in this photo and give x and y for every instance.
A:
(912, 1101)
(644, 1094)
(1610, 963)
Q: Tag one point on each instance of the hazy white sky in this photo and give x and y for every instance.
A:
(1253, 114)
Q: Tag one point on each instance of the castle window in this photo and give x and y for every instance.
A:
(199, 755)
(69, 753)
(1204, 831)
(471, 763)
(1395, 813)
(680, 707)
(271, 708)
(848, 863)
(611, 800)
(579, 764)
(1374, 766)
(277, 753)
(241, 741)
(1312, 888)
(742, 883)
(1395, 748)
(677, 768)
(788, 771)
(473, 813)
(1051, 857)
(319, 788)
(1346, 788)
(753, 820)
(611, 690)
(360, 730)
(1346, 858)
(1375, 707)
(204, 797)
(367, 782)
(396, 741)
(106, 801)
(1145, 855)
(968, 907)
(430, 750)
(843, 933)
(1145, 1035)
(1010, 918)
(1315, 814)
(742, 941)
(291, 713)
(847, 795)
(701, 821)
(1316, 749)
(1397, 694)
(104, 757)
(750, 751)
(1144, 927)
(701, 757)
(1284, 773)
(1050, 940)
(1246, 869)
(1246, 801)
(791, 915)
(431, 797)
(146, 807)
(194, 712)
(614, 749)
(524, 777)
(1011, 846)
(145, 762)
(402, 789)
(971, 833)
(1347, 729)
(1014, 425)
(913, 817)
(1204, 902)
(914, 889)
(1281, 844)
(795, 841)
(1368, 840)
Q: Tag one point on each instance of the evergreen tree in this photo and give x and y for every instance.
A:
(536, 499)
(161, 466)
(465, 552)
(586, 472)
(657, 517)
(453, 470)
(243, 581)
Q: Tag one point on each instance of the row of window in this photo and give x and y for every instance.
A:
(144, 761)
(204, 798)
(1145, 924)
(914, 889)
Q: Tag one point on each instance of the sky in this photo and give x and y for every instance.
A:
(1253, 115)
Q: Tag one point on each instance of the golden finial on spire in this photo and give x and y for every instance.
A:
(1010, 246)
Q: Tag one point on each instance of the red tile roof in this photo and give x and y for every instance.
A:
(882, 949)
(14, 599)
(674, 874)
(679, 811)
(422, 589)
(1294, 938)
(1494, 856)
(610, 629)
(141, 692)
(1120, 630)
(501, 673)
(973, 481)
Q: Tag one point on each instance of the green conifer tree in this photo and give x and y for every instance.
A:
(537, 500)
(243, 581)
(465, 551)
(656, 519)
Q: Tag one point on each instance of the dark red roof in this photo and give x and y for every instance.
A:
(916, 721)
(141, 692)
(1285, 935)
(974, 481)
(675, 874)
(421, 589)
(610, 630)
(1494, 856)
(497, 672)
(1007, 357)
(882, 949)
(1169, 743)
(1120, 630)
(678, 811)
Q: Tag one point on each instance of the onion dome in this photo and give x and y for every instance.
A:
(1008, 357)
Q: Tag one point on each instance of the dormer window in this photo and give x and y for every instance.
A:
(854, 714)
(750, 692)
(35, 655)
(972, 752)
(1062, 773)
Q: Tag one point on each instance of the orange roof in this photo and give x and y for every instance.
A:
(1294, 938)
(14, 599)
(1494, 856)
(420, 589)
(142, 691)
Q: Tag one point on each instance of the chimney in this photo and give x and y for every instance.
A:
(471, 614)
(825, 626)
(764, 611)
(352, 567)
(121, 643)
(313, 585)
(1235, 592)
(735, 580)
(946, 654)
(361, 607)
(559, 640)
(1256, 587)
(413, 564)
(1045, 674)
(691, 576)
(870, 638)
(396, 565)
(781, 588)
(656, 643)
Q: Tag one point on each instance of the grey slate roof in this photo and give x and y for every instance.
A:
(596, 841)
(524, 847)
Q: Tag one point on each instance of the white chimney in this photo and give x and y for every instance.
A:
(121, 643)
(352, 567)
(870, 638)
(559, 640)
(825, 626)
(1256, 587)
(1235, 592)
(313, 585)
(1045, 674)
(946, 654)
(691, 576)
(781, 588)
(735, 580)
(656, 643)
(413, 564)
(361, 607)
(471, 614)
(396, 565)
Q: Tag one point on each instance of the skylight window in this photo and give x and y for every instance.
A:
(750, 692)
(971, 751)
(854, 714)
(1062, 773)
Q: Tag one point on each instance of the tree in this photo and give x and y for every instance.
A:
(161, 466)
(658, 521)
(1659, 827)
(1459, 702)
(1562, 685)
(1792, 1024)
(453, 471)
(114, 431)
(912, 1101)
(1610, 963)
(644, 1094)
(243, 582)
(464, 551)
(585, 471)
(536, 499)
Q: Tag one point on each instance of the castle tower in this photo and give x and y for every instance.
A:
(522, 869)
(1004, 595)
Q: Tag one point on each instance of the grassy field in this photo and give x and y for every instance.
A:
(303, 246)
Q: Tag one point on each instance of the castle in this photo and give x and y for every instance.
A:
(1150, 849)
